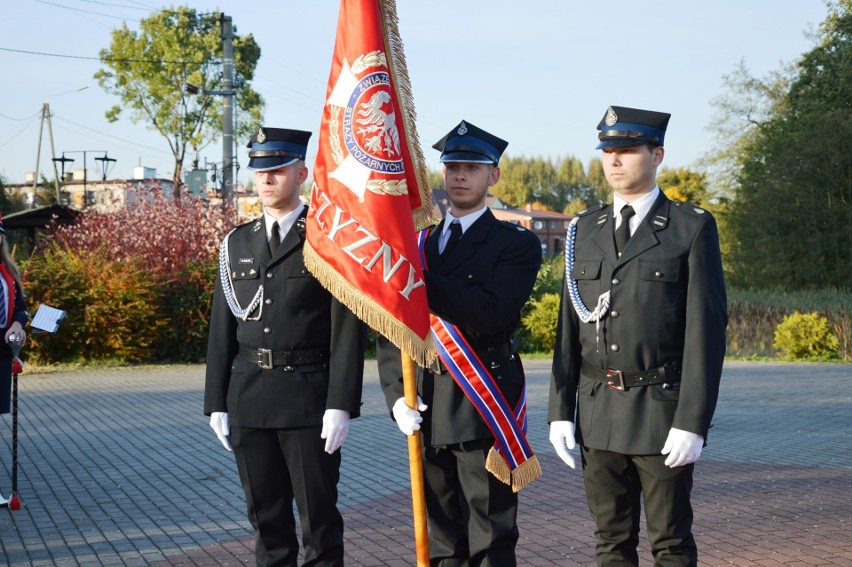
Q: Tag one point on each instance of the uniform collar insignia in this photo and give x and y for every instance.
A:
(257, 226)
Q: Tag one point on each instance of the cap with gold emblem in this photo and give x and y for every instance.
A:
(467, 143)
(271, 148)
(621, 127)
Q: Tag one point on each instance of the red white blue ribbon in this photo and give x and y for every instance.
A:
(516, 464)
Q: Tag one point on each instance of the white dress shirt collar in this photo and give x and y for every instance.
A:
(641, 206)
(466, 221)
(285, 223)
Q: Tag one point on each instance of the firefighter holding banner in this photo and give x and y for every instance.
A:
(284, 366)
(478, 273)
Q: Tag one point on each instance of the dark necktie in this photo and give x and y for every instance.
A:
(274, 239)
(622, 233)
(455, 236)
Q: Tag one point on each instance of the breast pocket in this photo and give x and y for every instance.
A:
(245, 279)
(478, 274)
(659, 283)
(302, 288)
(587, 273)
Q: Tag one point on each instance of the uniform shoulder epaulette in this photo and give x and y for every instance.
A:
(255, 225)
(512, 226)
(592, 209)
(689, 208)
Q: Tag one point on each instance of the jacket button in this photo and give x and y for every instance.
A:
(269, 274)
(267, 330)
(614, 348)
(658, 274)
(616, 281)
(614, 314)
(268, 301)
(242, 274)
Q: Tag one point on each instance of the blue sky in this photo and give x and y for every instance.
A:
(538, 73)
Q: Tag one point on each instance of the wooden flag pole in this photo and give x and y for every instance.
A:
(415, 461)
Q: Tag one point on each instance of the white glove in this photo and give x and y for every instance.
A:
(562, 439)
(682, 447)
(408, 420)
(335, 428)
(221, 424)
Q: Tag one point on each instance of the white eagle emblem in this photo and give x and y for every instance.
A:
(377, 126)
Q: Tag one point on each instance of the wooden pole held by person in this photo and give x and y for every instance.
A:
(415, 461)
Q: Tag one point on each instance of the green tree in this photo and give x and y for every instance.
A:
(599, 186)
(684, 184)
(789, 219)
(149, 69)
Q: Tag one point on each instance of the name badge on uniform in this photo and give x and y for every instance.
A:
(246, 261)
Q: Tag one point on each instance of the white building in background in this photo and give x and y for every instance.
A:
(82, 193)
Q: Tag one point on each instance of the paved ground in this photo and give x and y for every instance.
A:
(119, 467)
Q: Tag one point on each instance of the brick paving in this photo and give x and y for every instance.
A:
(119, 467)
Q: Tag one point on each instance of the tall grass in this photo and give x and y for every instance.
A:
(753, 316)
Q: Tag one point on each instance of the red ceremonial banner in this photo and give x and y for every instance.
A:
(370, 193)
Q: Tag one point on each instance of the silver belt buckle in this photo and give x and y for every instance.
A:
(615, 379)
(265, 360)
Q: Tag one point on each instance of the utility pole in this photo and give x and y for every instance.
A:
(227, 110)
(45, 115)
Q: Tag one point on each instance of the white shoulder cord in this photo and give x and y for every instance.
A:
(583, 312)
(228, 286)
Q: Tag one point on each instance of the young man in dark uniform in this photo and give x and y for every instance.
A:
(284, 366)
(477, 280)
(639, 347)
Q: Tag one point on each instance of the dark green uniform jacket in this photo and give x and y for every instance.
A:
(668, 309)
(296, 314)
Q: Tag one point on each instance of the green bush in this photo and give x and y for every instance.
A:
(806, 337)
(185, 302)
(541, 322)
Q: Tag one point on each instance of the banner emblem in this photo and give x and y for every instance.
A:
(363, 131)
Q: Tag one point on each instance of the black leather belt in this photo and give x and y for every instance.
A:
(503, 350)
(267, 359)
(487, 354)
(622, 380)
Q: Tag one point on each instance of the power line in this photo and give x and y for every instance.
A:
(21, 119)
(21, 132)
(78, 10)
(26, 52)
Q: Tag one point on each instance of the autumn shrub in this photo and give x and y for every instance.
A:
(147, 272)
(111, 309)
(806, 336)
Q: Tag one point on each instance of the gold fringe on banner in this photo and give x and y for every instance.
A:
(399, 72)
(526, 472)
(421, 351)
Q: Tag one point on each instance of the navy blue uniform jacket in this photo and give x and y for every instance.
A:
(481, 286)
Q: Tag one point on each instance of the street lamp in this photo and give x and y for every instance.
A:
(62, 161)
(105, 161)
